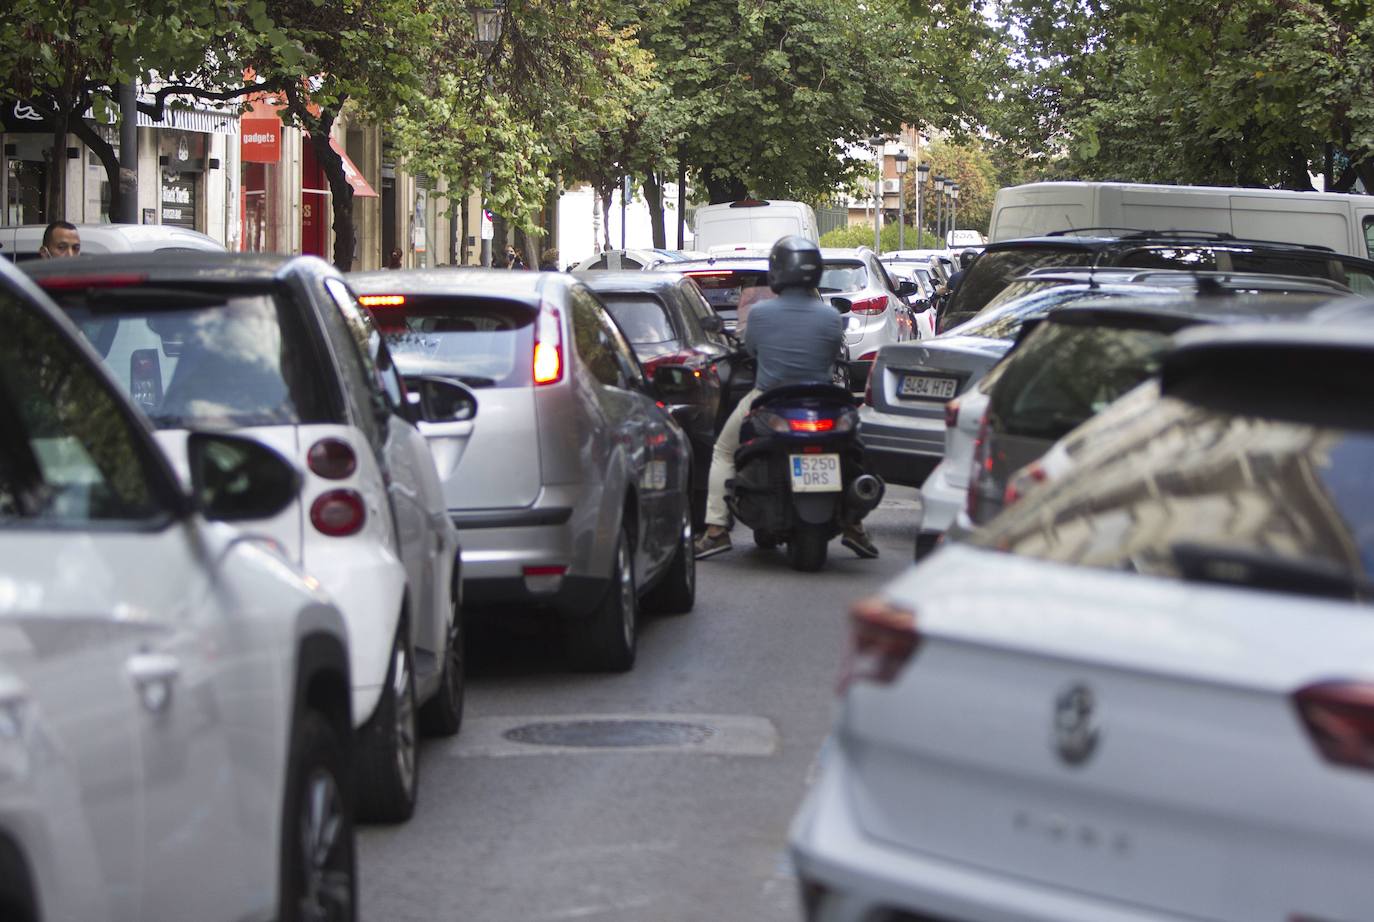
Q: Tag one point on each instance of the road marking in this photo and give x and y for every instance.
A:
(732, 735)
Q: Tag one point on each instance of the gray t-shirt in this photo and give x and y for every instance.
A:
(795, 338)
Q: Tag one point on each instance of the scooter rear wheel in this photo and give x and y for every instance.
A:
(806, 550)
(765, 539)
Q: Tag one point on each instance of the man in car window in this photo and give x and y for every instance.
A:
(60, 241)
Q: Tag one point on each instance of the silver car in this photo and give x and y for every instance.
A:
(571, 493)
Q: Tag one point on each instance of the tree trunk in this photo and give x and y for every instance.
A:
(721, 188)
(531, 249)
(57, 167)
(464, 249)
(653, 195)
(105, 151)
(606, 217)
(341, 194)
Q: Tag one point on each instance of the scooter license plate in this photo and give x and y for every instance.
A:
(816, 474)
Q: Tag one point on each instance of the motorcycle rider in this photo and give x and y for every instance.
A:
(794, 337)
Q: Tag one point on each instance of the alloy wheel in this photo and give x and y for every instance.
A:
(326, 892)
(405, 717)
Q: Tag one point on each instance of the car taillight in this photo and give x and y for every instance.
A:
(81, 282)
(381, 300)
(882, 638)
(338, 513)
(869, 356)
(983, 469)
(951, 414)
(332, 459)
(1339, 717)
(1021, 482)
(869, 306)
(548, 347)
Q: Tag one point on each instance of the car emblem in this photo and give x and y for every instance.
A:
(1075, 731)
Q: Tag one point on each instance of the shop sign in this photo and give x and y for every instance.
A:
(179, 199)
(260, 140)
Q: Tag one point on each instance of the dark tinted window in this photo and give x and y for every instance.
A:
(594, 345)
(1166, 257)
(721, 288)
(221, 359)
(1209, 484)
(995, 269)
(1065, 373)
(484, 342)
(68, 454)
(643, 318)
(1368, 225)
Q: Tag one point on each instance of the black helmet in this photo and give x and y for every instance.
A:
(966, 257)
(794, 263)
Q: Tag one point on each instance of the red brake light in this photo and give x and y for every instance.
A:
(882, 638)
(811, 425)
(1021, 482)
(548, 347)
(981, 458)
(869, 306)
(951, 414)
(869, 356)
(332, 459)
(338, 513)
(381, 300)
(78, 282)
(1339, 716)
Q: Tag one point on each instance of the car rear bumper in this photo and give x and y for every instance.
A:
(943, 501)
(901, 449)
(847, 876)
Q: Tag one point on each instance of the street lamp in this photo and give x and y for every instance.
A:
(954, 206)
(940, 208)
(922, 170)
(487, 21)
(877, 143)
(901, 159)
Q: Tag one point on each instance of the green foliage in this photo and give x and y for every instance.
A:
(968, 164)
(861, 235)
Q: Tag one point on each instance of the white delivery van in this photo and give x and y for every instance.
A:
(1345, 223)
(22, 241)
(751, 226)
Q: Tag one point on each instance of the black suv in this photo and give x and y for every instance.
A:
(1002, 262)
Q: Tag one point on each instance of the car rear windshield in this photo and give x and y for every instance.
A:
(836, 277)
(993, 271)
(643, 318)
(722, 287)
(1240, 476)
(218, 358)
(483, 342)
(1066, 373)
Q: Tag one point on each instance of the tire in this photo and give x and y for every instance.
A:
(442, 715)
(925, 543)
(388, 747)
(765, 539)
(806, 551)
(677, 592)
(319, 865)
(606, 641)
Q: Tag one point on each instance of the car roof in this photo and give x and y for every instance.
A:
(1089, 240)
(752, 263)
(855, 253)
(199, 266)
(1184, 308)
(524, 285)
(1182, 277)
(630, 280)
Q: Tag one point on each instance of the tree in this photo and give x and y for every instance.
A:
(968, 164)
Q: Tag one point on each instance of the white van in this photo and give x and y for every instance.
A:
(751, 226)
(22, 241)
(1345, 223)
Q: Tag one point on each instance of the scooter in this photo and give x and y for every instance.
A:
(799, 471)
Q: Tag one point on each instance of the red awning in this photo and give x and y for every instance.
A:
(352, 173)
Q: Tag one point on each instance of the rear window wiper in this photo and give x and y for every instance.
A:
(1255, 569)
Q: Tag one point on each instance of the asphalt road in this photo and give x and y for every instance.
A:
(692, 827)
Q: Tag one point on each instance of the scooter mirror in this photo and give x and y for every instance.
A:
(843, 305)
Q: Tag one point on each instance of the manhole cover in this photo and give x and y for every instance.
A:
(591, 734)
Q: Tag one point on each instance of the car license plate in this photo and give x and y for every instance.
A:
(923, 386)
(816, 474)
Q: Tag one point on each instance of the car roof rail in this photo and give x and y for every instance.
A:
(1114, 231)
(1175, 234)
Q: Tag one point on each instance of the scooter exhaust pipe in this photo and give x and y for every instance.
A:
(866, 492)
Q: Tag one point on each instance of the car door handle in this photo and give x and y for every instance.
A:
(153, 675)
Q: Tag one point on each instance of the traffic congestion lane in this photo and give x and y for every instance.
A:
(702, 753)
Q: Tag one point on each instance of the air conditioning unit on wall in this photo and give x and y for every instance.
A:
(891, 186)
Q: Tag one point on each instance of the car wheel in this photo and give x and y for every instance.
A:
(388, 764)
(606, 641)
(442, 715)
(677, 593)
(319, 874)
(765, 539)
(806, 550)
(925, 543)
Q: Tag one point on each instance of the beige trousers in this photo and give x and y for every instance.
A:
(723, 461)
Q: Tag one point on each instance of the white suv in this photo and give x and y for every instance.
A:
(175, 722)
(278, 349)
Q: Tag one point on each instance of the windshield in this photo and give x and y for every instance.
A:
(1004, 322)
(221, 360)
(836, 277)
(994, 270)
(484, 342)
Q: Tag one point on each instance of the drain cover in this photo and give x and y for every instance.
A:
(610, 734)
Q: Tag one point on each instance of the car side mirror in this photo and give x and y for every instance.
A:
(713, 324)
(442, 400)
(676, 383)
(906, 288)
(236, 479)
(843, 305)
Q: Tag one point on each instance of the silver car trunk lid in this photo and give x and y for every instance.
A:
(491, 462)
(961, 360)
(1114, 734)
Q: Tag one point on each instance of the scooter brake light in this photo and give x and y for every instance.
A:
(811, 425)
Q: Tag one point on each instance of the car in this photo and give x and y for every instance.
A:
(1143, 691)
(751, 225)
(668, 322)
(21, 243)
(278, 348)
(572, 498)
(622, 260)
(1001, 263)
(175, 720)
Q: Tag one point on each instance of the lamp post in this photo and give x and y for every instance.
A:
(954, 206)
(488, 22)
(877, 143)
(922, 171)
(901, 159)
(940, 208)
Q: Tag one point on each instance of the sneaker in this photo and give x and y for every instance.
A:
(709, 545)
(859, 542)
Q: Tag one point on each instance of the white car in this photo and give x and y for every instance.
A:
(22, 242)
(944, 494)
(175, 722)
(1142, 693)
(278, 348)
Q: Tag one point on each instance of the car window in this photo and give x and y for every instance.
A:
(1213, 489)
(630, 372)
(628, 263)
(1368, 224)
(594, 346)
(642, 317)
(194, 358)
(1004, 321)
(995, 269)
(1359, 279)
(69, 454)
(846, 276)
(371, 346)
(484, 342)
(696, 307)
